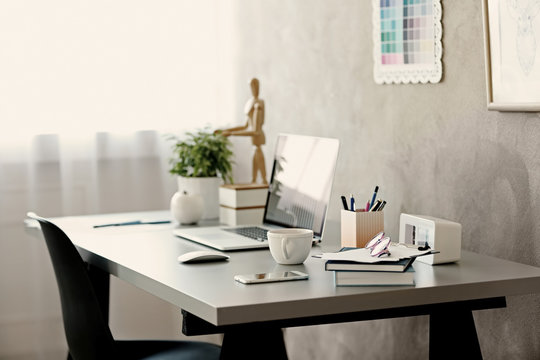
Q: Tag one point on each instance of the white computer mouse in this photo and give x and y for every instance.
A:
(201, 256)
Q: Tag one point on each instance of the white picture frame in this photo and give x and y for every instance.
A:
(512, 54)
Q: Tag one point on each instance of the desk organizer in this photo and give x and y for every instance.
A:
(440, 234)
(358, 227)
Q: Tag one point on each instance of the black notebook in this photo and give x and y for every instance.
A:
(387, 266)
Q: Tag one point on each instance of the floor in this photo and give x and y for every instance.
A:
(51, 355)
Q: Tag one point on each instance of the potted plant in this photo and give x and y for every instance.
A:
(201, 160)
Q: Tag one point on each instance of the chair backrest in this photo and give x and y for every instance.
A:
(87, 333)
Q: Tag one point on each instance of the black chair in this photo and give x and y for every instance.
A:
(87, 332)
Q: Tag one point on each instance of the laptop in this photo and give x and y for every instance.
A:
(298, 195)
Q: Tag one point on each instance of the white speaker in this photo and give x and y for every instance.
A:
(439, 234)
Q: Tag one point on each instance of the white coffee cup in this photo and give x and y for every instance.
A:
(290, 246)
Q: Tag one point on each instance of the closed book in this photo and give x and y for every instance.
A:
(374, 278)
(391, 266)
(243, 195)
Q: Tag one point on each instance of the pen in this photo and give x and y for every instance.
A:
(374, 196)
(382, 206)
(367, 206)
(352, 203)
(136, 222)
(344, 201)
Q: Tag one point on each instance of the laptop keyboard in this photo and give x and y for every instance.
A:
(252, 232)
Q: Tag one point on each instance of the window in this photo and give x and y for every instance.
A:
(77, 67)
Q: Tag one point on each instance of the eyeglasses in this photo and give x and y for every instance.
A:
(379, 245)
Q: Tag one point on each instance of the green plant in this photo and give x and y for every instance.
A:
(202, 154)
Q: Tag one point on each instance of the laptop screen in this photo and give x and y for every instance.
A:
(301, 182)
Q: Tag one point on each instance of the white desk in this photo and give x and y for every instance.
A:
(146, 256)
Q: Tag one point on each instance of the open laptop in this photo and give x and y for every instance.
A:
(298, 195)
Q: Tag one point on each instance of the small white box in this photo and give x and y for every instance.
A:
(246, 216)
(239, 196)
(441, 235)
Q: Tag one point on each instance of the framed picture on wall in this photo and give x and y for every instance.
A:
(407, 44)
(512, 52)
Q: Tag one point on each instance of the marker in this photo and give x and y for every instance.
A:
(367, 206)
(376, 206)
(382, 206)
(374, 196)
(344, 201)
(352, 203)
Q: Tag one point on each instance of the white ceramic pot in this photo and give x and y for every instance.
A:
(187, 208)
(208, 188)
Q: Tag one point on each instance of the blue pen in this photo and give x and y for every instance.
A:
(374, 196)
(352, 203)
(136, 222)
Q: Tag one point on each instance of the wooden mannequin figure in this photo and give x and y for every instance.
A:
(254, 111)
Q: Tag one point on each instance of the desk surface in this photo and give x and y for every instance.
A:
(146, 256)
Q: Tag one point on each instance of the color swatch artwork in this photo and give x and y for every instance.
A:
(407, 41)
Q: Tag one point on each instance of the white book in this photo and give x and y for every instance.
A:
(374, 278)
(243, 195)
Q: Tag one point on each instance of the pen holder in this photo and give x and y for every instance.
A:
(358, 227)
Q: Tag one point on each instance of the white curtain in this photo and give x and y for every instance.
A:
(55, 177)
(88, 91)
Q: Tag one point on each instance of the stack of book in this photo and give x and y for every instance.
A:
(242, 204)
(383, 273)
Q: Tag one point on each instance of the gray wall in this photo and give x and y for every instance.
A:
(433, 149)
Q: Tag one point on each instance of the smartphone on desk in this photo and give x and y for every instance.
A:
(271, 277)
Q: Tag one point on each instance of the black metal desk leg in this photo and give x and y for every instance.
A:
(254, 343)
(242, 341)
(452, 335)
